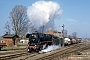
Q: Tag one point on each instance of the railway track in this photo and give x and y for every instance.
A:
(12, 52)
(65, 52)
(26, 56)
(16, 55)
(5, 55)
(10, 56)
(50, 55)
(60, 53)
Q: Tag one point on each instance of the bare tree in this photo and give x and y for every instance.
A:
(31, 28)
(19, 20)
(74, 34)
(7, 27)
(69, 36)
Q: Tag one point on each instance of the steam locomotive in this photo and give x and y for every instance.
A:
(40, 41)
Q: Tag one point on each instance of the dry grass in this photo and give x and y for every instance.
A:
(13, 47)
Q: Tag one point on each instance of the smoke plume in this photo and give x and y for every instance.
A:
(43, 13)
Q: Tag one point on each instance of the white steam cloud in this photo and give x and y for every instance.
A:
(43, 13)
(50, 48)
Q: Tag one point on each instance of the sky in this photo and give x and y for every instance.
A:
(75, 16)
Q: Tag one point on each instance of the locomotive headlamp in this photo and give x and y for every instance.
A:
(35, 45)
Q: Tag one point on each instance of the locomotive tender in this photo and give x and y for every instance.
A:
(40, 41)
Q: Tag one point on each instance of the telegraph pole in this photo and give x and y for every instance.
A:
(86, 36)
(63, 34)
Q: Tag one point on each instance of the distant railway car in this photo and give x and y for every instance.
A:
(39, 41)
(73, 41)
(78, 40)
(67, 41)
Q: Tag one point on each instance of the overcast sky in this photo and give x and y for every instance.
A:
(75, 16)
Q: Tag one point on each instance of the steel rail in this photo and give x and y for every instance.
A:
(67, 51)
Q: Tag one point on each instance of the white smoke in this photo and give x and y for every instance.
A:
(50, 48)
(43, 13)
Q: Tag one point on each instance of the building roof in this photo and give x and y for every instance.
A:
(53, 31)
(9, 35)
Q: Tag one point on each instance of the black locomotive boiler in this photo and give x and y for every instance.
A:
(40, 41)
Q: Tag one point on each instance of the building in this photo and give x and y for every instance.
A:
(10, 39)
(54, 32)
(24, 41)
